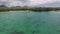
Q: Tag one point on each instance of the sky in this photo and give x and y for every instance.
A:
(43, 3)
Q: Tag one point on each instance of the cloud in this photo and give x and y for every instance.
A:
(53, 4)
(28, 2)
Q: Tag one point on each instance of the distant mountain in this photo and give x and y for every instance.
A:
(3, 6)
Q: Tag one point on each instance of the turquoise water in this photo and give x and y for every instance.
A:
(29, 22)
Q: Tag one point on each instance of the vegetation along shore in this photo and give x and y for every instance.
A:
(18, 8)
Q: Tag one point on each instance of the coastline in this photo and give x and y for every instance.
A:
(35, 9)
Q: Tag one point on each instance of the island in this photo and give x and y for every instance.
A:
(18, 8)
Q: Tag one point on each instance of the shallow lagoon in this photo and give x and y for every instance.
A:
(24, 22)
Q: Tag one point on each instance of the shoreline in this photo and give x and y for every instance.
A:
(39, 9)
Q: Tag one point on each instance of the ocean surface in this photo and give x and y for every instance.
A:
(24, 22)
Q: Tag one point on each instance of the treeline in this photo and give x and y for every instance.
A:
(28, 8)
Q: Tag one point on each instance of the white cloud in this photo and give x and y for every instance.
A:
(27, 2)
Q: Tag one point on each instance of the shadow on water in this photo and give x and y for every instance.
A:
(49, 33)
(36, 32)
(43, 22)
(58, 30)
(2, 30)
(16, 32)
